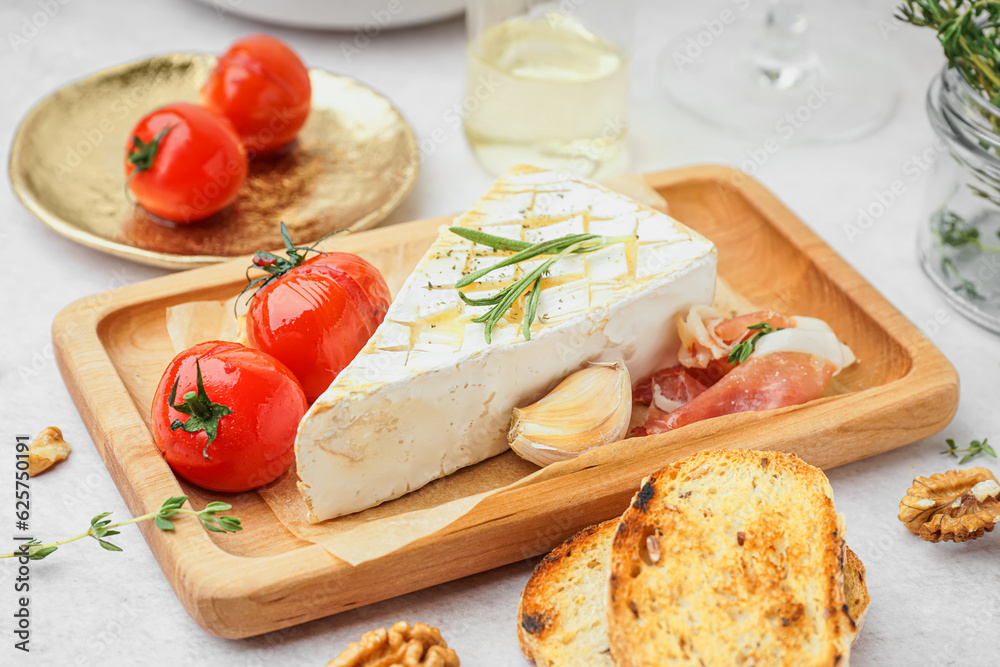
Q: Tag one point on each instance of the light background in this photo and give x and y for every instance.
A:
(931, 604)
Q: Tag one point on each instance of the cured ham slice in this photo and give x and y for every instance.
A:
(665, 391)
(675, 386)
(763, 382)
(790, 366)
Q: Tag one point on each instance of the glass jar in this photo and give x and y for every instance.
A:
(960, 245)
(547, 83)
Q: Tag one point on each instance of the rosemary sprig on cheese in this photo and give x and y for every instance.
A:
(742, 350)
(523, 251)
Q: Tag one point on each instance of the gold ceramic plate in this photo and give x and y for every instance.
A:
(355, 160)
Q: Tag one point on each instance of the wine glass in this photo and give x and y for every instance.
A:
(755, 80)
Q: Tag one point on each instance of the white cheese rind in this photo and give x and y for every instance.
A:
(428, 396)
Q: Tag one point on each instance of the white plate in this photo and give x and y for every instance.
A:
(341, 14)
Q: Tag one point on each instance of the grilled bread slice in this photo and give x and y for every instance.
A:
(562, 616)
(730, 558)
(855, 591)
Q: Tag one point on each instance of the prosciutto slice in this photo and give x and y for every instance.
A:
(670, 385)
(763, 382)
(790, 366)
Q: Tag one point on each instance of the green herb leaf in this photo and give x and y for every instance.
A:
(40, 553)
(171, 506)
(951, 448)
(532, 307)
(162, 523)
(107, 546)
(489, 240)
(217, 507)
(742, 350)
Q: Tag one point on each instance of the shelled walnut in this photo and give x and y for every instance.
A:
(47, 449)
(957, 505)
(399, 646)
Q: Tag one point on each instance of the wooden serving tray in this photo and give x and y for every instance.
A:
(112, 351)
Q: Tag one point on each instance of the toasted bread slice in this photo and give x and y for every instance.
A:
(855, 590)
(730, 558)
(562, 616)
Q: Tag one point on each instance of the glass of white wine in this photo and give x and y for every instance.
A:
(547, 83)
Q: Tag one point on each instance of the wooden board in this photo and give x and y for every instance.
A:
(112, 349)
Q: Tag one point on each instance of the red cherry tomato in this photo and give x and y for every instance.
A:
(316, 316)
(251, 402)
(184, 163)
(263, 88)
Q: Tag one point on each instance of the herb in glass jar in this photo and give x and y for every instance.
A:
(958, 250)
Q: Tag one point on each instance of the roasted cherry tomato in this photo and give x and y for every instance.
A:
(263, 88)
(225, 416)
(184, 163)
(315, 314)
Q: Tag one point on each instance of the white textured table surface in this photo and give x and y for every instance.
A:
(931, 604)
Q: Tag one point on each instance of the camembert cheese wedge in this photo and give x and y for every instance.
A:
(428, 395)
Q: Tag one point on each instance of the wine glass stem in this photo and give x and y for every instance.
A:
(782, 53)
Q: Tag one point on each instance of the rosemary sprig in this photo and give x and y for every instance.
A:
(742, 350)
(101, 527)
(974, 449)
(504, 299)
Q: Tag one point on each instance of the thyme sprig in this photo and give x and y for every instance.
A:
(742, 350)
(975, 448)
(523, 251)
(952, 231)
(102, 528)
(969, 32)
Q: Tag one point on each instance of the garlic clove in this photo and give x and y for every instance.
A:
(589, 408)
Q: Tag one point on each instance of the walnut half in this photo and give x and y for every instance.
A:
(399, 646)
(46, 450)
(957, 505)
